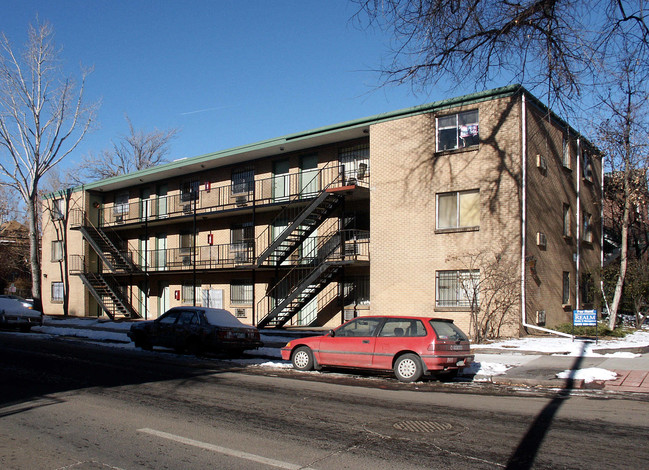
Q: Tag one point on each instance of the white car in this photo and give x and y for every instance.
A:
(14, 313)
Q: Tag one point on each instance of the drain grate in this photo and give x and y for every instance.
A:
(423, 426)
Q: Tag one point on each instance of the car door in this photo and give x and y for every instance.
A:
(352, 345)
(398, 334)
(184, 328)
(164, 330)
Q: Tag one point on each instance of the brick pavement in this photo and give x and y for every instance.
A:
(629, 381)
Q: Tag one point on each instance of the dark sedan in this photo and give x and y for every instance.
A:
(196, 329)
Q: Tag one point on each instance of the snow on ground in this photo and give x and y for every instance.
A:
(486, 369)
(508, 355)
(577, 347)
(588, 375)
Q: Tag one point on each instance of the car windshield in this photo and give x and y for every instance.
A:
(447, 330)
(220, 317)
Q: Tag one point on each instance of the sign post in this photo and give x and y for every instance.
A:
(585, 318)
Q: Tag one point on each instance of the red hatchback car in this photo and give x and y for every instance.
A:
(410, 346)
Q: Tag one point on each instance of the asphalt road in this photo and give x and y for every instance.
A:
(74, 405)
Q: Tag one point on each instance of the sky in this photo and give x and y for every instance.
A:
(224, 72)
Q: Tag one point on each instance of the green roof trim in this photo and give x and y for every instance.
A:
(398, 114)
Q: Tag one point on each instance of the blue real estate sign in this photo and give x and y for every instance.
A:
(584, 317)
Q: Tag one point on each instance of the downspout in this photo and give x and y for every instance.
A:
(524, 227)
(578, 224)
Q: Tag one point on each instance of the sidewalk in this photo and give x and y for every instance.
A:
(610, 365)
(544, 370)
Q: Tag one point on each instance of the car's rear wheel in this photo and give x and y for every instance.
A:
(408, 368)
(302, 359)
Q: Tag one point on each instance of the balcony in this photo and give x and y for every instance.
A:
(203, 199)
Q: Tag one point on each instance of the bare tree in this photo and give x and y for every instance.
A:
(10, 205)
(623, 138)
(42, 120)
(551, 45)
(491, 284)
(136, 151)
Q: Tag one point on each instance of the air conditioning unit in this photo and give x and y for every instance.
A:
(541, 240)
(541, 164)
(241, 200)
(187, 260)
(240, 312)
(186, 208)
(351, 249)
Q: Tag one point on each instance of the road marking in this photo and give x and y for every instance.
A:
(224, 450)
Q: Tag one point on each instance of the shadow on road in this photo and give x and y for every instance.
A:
(528, 448)
(32, 370)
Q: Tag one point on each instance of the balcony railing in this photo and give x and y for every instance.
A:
(206, 199)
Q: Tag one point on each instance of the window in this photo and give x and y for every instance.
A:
(241, 234)
(359, 327)
(57, 292)
(57, 250)
(587, 228)
(447, 330)
(587, 289)
(457, 288)
(457, 130)
(188, 292)
(566, 221)
(241, 292)
(241, 241)
(243, 180)
(186, 243)
(458, 209)
(189, 191)
(587, 165)
(397, 327)
(565, 298)
(188, 318)
(357, 291)
(58, 209)
(355, 161)
(566, 152)
(121, 204)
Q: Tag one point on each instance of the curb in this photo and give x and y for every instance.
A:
(549, 383)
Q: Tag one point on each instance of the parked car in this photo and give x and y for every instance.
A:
(18, 313)
(410, 346)
(29, 303)
(196, 329)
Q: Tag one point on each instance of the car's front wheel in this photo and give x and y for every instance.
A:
(408, 368)
(302, 359)
(141, 341)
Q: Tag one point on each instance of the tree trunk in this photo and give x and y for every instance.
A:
(34, 250)
(617, 297)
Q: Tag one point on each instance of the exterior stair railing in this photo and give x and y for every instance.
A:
(315, 269)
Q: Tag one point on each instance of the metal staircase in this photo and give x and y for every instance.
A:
(108, 295)
(303, 222)
(305, 280)
(102, 285)
(114, 259)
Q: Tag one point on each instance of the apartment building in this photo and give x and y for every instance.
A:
(484, 208)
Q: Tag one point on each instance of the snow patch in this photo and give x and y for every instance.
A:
(588, 375)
